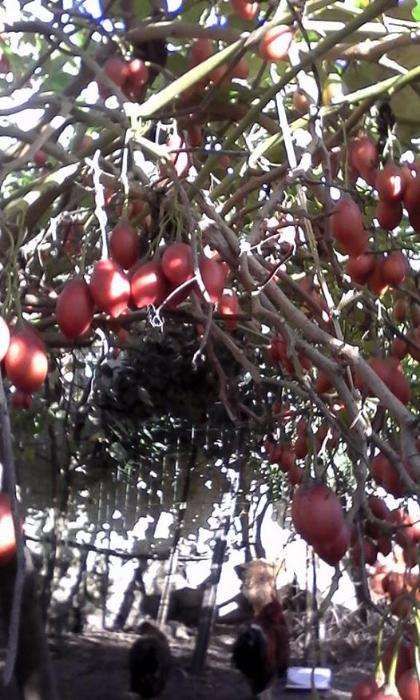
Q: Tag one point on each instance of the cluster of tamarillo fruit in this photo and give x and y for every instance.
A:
(378, 538)
(398, 187)
(287, 455)
(397, 663)
(317, 512)
(318, 517)
(117, 284)
(130, 75)
(305, 439)
(397, 586)
(388, 369)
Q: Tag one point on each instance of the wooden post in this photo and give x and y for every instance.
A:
(33, 670)
(208, 609)
(173, 558)
(27, 655)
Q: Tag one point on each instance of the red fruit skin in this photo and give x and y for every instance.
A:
(287, 459)
(201, 50)
(213, 275)
(137, 78)
(346, 219)
(110, 287)
(148, 285)
(410, 533)
(390, 183)
(364, 690)
(332, 551)
(410, 555)
(229, 306)
(386, 475)
(305, 362)
(381, 511)
(390, 372)
(399, 348)
(275, 44)
(383, 695)
(415, 314)
(295, 475)
(245, 10)
(393, 584)
(4, 338)
(320, 435)
(138, 71)
(409, 685)
(347, 227)
(177, 263)
(357, 244)
(370, 553)
(26, 361)
(323, 383)
(278, 353)
(218, 74)
(124, 245)
(414, 218)
(389, 214)
(40, 159)
(361, 267)
(316, 513)
(398, 383)
(379, 508)
(116, 69)
(384, 545)
(302, 427)
(400, 310)
(414, 343)
(274, 454)
(180, 296)
(74, 309)
(380, 367)
(7, 531)
(4, 63)
(376, 282)
(241, 69)
(21, 400)
(195, 135)
(405, 660)
(411, 195)
(395, 268)
(363, 155)
(301, 447)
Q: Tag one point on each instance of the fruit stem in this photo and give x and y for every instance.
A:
(124, 173)
(99, 202)
(379, 669)
(391, 688)
(417, 646)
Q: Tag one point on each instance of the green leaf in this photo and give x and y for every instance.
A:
(57, 82)
(141, 9)
(416, 12)
(58, 77)
(79, 38)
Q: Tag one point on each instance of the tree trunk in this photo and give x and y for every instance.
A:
(173, 558)
(208, 608)
(33, 670)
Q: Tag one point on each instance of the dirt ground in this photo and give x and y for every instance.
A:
(94, 666)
